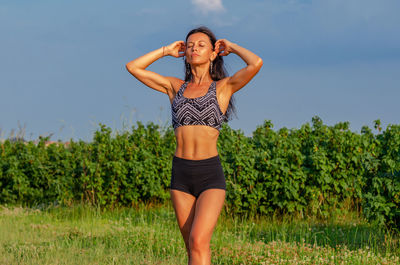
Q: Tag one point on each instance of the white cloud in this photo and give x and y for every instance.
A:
(206, 6)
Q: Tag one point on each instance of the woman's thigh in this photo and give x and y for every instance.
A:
(208, 208)
(184, 205)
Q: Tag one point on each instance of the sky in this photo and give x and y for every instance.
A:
(62, 63)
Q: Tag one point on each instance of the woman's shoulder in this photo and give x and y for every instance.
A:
(221, 84)
(176, 83)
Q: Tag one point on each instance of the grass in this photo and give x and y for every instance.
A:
(149, 235)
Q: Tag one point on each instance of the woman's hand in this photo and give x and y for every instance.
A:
(223, 47)
(176, 49)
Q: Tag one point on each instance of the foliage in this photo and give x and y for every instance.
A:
(317, 170)
(382, 194)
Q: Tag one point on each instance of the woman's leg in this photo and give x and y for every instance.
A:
(184, 206)
(208, 207)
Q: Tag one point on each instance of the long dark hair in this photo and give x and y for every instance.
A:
(217, 72)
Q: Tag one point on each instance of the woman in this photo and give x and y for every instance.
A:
(199, 104)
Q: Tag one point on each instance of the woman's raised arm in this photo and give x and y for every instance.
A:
(244, 75)
(138, 66)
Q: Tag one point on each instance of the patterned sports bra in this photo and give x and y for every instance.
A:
(202, 110)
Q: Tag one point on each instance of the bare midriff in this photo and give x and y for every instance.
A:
(196, 142)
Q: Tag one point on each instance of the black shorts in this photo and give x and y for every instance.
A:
(196, 176)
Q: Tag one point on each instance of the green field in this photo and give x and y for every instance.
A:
(149, 235)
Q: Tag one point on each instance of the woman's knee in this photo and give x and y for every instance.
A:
(198, 242)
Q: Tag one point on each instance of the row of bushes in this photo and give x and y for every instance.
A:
(315, 170)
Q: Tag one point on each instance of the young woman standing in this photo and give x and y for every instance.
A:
(199, 104)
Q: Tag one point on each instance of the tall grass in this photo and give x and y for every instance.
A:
(150, 235)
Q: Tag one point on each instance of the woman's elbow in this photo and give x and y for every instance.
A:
(256, 65)
(259, 63)
(128, 66)
(131, 68)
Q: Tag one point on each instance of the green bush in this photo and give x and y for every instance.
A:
(381, 202)
(316, 170)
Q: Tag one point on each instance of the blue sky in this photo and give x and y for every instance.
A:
(62, 63)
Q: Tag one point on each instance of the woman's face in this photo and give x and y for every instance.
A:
(199, 49)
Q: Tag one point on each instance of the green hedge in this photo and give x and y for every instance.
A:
(316, 170)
